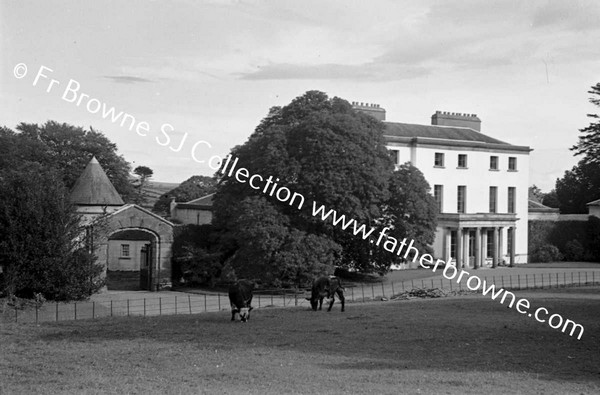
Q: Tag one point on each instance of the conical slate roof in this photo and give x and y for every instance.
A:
(94, 188)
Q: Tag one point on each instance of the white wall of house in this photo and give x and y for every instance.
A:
(478, 178)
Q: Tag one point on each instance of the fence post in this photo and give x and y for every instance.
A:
(295, 299)
(412, 284)
(36, 313)
(271, 300)
(362, 287)
(176, 305)
(519, 278)
(75, 309)
(127, 307)
(111, 310)
(393, 293)
(502, 281)
(534, 283)
(159, 306)
(144, 307)
(372, 291)
(510, 278)
(382, 290)
(190, 303)
(258, 301)
(422, 284)
(57, 311)
(205, 303)
(352, 291)
(526, 281)
(93, 310)
(542, 281)
(579, 277)
(219, 296)
(402, 285)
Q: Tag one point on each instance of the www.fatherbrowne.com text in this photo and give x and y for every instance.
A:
(403, 248)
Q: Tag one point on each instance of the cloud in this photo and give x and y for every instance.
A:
(126, 79)
(361, 72)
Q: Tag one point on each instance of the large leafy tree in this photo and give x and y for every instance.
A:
(329, 153)
(67, 149)
(192, 188)
(578, 187)
(589, 142)
(41, 245)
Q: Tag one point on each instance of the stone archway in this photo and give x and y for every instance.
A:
(132, 259)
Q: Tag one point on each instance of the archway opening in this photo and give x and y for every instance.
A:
(131, 260)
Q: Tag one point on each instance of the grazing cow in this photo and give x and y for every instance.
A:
(326, 286)
(240, 297)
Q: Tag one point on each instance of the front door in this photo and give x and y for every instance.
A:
(146, 267)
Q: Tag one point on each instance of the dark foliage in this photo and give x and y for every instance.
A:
(42, 248)
(589, 142)
(65, 148)
(334, 156)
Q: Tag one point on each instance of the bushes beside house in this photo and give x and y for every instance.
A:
(565, 240)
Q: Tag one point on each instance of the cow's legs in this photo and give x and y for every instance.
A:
(332, 300)
(233, 314)
(340, 294)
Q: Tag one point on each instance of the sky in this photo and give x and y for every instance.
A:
(192, 79)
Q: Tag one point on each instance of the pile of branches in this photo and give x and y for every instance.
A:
(421, 293)
(428, 293)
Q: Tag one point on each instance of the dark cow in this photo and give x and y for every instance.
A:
(326, 287)
(240, 297)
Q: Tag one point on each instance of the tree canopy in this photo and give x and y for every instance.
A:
(332, 155)
(589, 143)
(67, 149)
(41, 245)
(578, 187)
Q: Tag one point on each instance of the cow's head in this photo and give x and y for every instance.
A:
(244, 314)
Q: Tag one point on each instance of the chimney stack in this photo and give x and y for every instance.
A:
(371, 109)
(444, 118)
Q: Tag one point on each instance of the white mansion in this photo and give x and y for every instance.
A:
(480, 185)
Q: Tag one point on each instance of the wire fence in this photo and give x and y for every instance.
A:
(168, 303)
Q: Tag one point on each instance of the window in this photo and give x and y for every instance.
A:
(461, 199)
(493, 163)
(511, 199)
(512, 163)
(493, 199)
(125, 250)
(395, 155)
(462, 161)
(439, 159)
(438, 194)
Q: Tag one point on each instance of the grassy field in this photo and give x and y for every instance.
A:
(450, 346)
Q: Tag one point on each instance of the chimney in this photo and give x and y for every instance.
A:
(444, 118)
(371, 109)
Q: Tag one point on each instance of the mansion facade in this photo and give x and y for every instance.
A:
(480, 185)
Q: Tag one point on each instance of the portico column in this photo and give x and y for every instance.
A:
(500, 245)
(447, 236)
(477, 262)
(466, 257)
(484, 241)
(459, 247)
(495, 249)
(513, 238)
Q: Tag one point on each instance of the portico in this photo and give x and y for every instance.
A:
(475, 240)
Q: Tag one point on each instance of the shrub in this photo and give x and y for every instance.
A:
(547, 253)
(574, 251)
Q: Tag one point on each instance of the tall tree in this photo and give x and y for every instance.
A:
(192, 188)
(578, 187)
(67, 149)
(42, 249)
(589, 143)
(330, 154)
(144, 173)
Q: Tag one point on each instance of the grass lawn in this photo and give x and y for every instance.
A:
(453, 346)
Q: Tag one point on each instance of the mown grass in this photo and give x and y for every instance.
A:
(452, 345)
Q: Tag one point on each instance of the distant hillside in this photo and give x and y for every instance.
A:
(155, 189)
